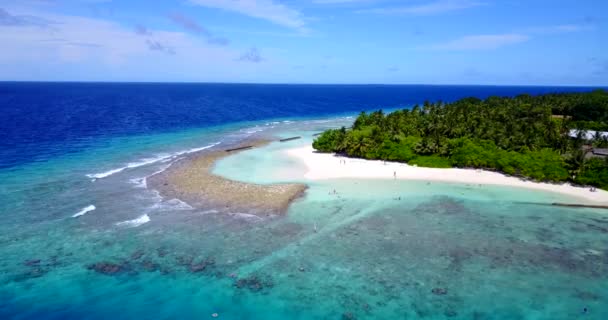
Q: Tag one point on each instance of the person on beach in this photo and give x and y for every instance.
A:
(395, 175)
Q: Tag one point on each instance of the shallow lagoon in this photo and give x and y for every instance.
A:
(443, 251)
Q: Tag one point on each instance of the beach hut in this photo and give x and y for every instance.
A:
(600, 152)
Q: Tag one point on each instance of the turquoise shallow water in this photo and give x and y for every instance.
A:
(443, 251)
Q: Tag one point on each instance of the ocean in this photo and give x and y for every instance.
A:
(74, 158)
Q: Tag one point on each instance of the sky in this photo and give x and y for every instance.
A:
(487, 42)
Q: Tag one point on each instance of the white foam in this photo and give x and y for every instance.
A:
(179, 205)
(195, 149)
(248, 132)
(142, 182)
(254, 130)
(246, 216)
(274, 123)
(173, 204)
(135, 222)
(104, 174)
(84, 210)
(139, 182)
(130, 165)
(146, 161)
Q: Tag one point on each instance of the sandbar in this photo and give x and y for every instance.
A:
(191, 180)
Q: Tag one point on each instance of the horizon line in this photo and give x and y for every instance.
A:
(302, 83)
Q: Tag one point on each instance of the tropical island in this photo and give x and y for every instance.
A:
(546, 138)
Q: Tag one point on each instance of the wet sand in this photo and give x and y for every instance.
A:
(191, 180)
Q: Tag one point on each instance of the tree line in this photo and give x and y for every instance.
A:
(526, 136)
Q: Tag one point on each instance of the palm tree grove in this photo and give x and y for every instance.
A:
(549, 137)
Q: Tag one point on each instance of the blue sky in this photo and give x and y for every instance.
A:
(494, 42)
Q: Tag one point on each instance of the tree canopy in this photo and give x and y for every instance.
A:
(526, 136)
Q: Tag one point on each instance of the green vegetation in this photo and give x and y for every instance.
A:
(526, 136)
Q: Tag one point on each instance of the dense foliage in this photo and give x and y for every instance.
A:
(525, 136)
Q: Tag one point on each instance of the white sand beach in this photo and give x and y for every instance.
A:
(328, 166)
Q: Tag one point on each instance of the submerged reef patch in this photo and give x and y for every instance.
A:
(191, 180)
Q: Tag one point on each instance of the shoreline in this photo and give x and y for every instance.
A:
(324, 166)
(192, 181)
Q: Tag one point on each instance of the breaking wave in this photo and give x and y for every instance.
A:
(147, 161)
(135, 222)
(84, 210)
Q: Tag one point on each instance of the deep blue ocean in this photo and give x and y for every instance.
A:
(83, 235)
(42, 120)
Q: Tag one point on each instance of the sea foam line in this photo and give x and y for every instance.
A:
(142, 182)
(135, 222)
(173, 204)
(273, 123)
(147, 161)
(246, 216)
(84, 210)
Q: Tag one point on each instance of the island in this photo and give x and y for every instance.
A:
(553, 138)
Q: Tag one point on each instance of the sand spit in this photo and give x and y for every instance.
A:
(328, 166)
(191, 180)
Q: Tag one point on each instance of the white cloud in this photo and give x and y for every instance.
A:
(481, 42)
(79, 48)
(564, 28)
(339, 1)
(269, 10)
(8, 19)
(431, 8)
(494, 41)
